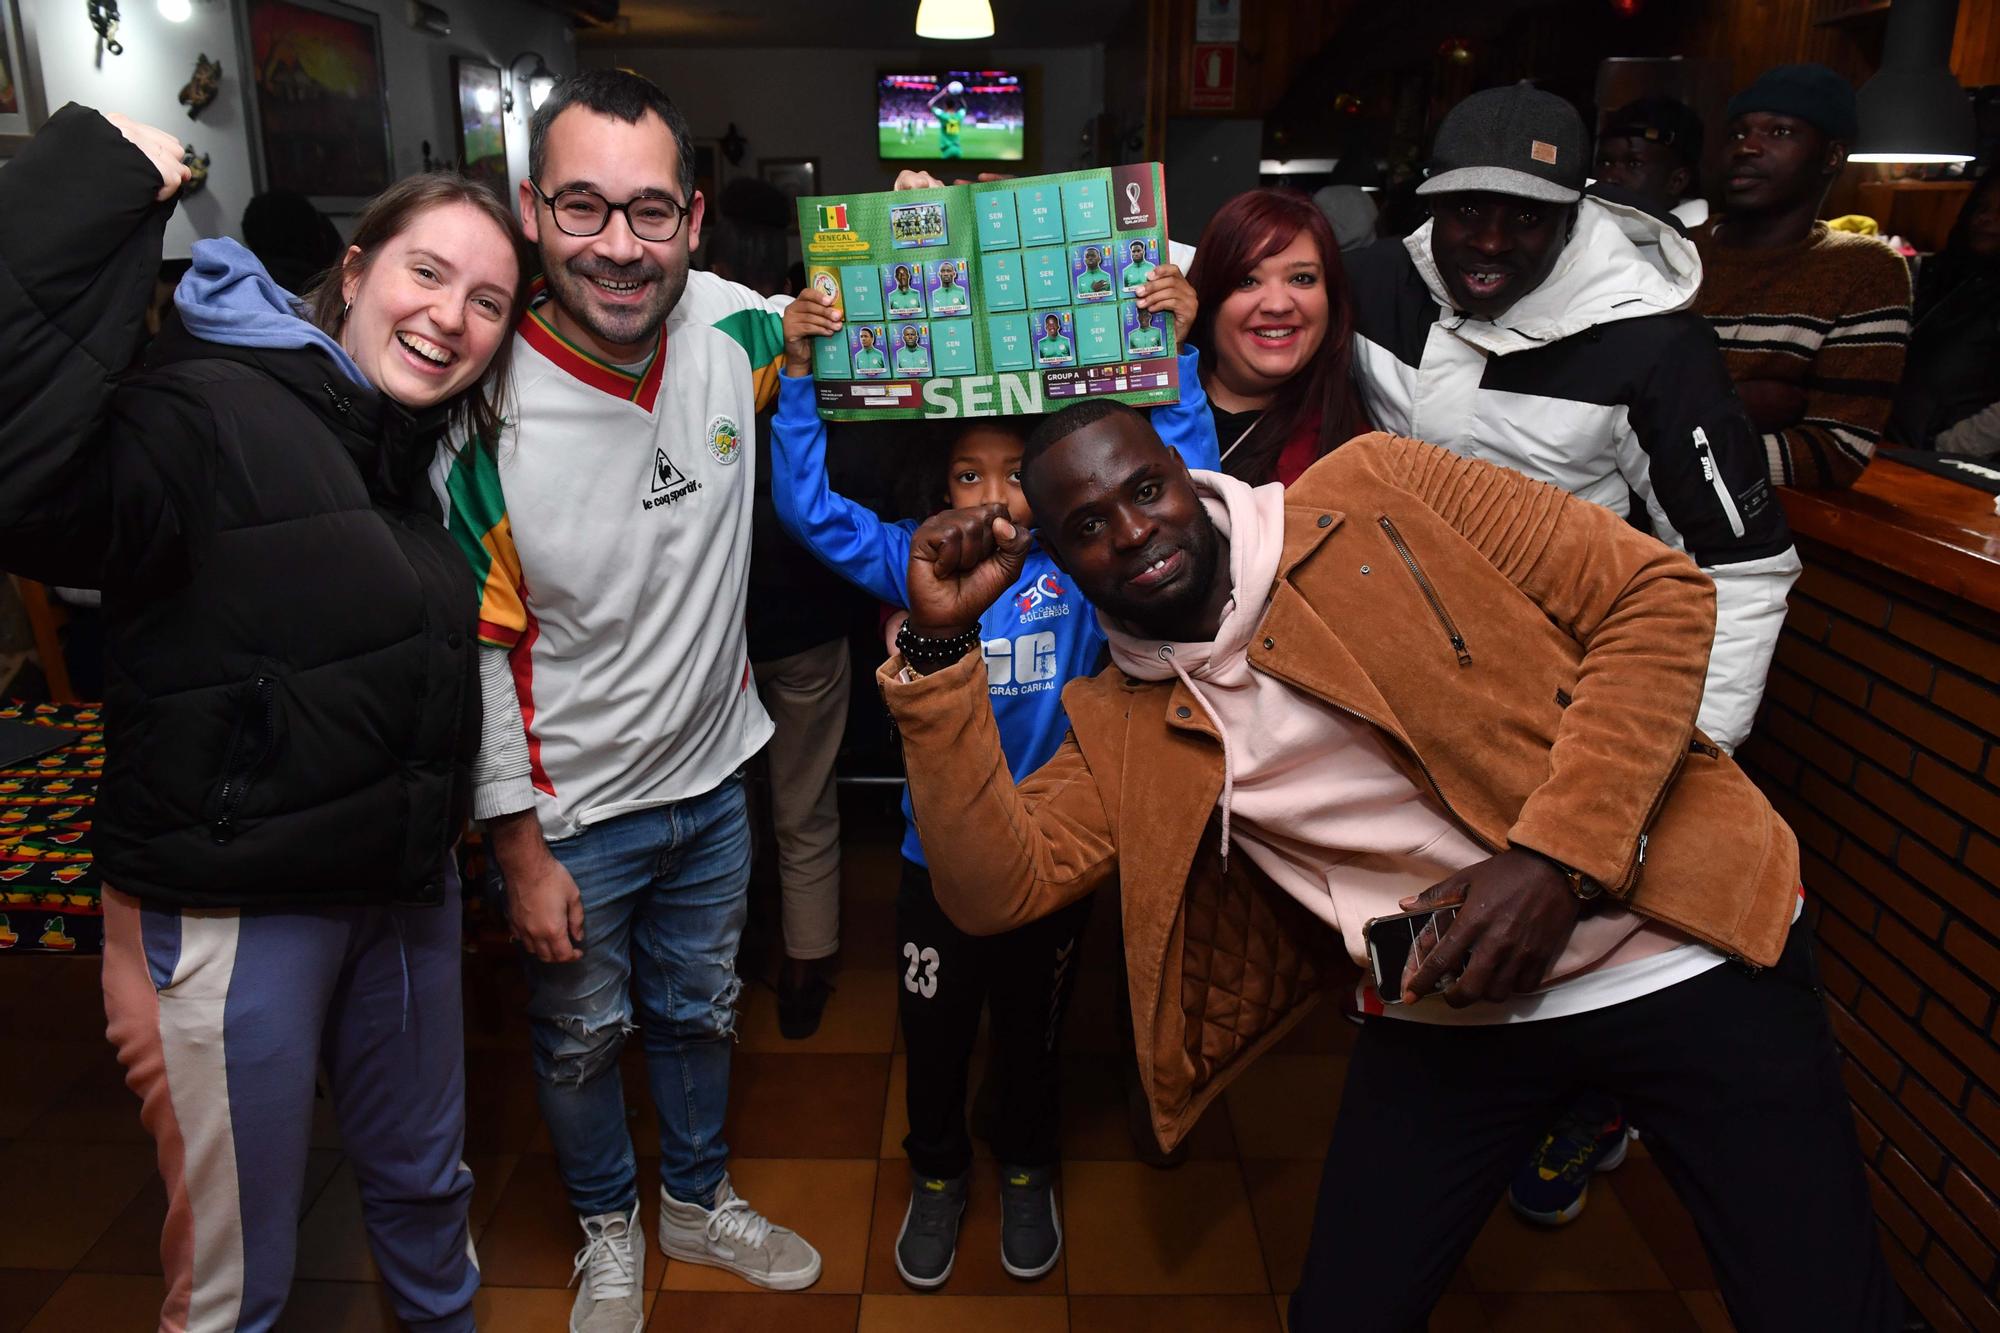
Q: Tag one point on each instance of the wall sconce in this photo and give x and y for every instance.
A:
(538, 77)
(104, 19)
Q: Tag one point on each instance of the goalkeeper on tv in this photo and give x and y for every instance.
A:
(950, 118)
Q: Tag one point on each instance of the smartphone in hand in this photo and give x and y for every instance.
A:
(1394, 951)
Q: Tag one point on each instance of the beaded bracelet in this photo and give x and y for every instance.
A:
(930, 654)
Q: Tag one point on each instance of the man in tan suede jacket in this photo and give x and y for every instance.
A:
(1412, 681)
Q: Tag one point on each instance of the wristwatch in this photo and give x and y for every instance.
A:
(1581, 886)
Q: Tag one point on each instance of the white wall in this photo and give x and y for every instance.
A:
(159, 56)
(797, 102)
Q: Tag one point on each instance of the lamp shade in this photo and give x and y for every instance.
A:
(1914, 110)
(954, 20)
(540, 84)
(537, 77)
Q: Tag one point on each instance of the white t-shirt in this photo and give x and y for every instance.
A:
(1580, 995)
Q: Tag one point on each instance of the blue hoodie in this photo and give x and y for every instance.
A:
(1036, 639)
(228, 298)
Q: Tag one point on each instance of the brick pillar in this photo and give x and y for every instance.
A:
(1880, 742)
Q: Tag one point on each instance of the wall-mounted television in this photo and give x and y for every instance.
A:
(973, 115)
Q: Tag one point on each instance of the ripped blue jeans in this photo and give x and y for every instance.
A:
(665, 893)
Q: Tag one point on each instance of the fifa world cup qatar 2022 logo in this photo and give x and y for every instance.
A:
(1133, 195)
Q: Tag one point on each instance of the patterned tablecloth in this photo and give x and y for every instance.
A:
(48, 881)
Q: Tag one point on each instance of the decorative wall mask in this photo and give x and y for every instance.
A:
(201, 88)
(199, 166)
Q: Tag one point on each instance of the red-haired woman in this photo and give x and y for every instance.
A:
(1275, 332)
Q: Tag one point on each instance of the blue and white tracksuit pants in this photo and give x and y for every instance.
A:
(223, 1020)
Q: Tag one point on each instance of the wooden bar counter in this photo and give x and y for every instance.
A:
(1880, 741)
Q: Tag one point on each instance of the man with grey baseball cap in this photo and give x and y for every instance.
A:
(1534, 324)
(1495, 148)
(1517, 141)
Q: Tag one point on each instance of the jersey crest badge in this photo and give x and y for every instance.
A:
(725, 441)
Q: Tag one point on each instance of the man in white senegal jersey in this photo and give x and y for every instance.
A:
(610, 528)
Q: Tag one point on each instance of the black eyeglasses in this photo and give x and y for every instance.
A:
(651, 217)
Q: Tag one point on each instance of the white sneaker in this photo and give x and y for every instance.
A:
(735, 1236)
(613, 1268)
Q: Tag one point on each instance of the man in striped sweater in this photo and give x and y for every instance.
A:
(1813, 322)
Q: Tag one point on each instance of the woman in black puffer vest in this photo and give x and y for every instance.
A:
(291, 703)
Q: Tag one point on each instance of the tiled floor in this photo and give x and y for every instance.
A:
(1213, 1246)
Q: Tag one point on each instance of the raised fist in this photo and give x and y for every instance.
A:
(961, 561)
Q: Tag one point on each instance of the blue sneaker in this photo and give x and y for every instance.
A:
(1553, 1183)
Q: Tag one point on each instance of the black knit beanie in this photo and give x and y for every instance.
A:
(1812, 93)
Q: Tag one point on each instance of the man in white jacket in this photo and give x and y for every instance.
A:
(1535, 326)
(1553, 332)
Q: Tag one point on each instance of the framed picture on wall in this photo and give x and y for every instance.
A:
(319, 114)
(794, 176)
(482, 123)
(21, 109)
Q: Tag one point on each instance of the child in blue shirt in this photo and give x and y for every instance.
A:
(1035, 640)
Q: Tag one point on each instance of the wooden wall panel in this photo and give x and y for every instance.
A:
(1975, 47)
(1296, 54)
(1281, 38)
(1278, 38)
(1753, 35)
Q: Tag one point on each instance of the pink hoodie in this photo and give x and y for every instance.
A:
(1309, 791)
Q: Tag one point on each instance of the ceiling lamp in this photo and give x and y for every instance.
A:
(1914, 110)
(954, 20)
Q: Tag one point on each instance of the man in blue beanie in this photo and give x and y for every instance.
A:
(1813, 322)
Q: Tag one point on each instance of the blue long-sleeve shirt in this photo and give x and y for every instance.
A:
(1036, 639)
